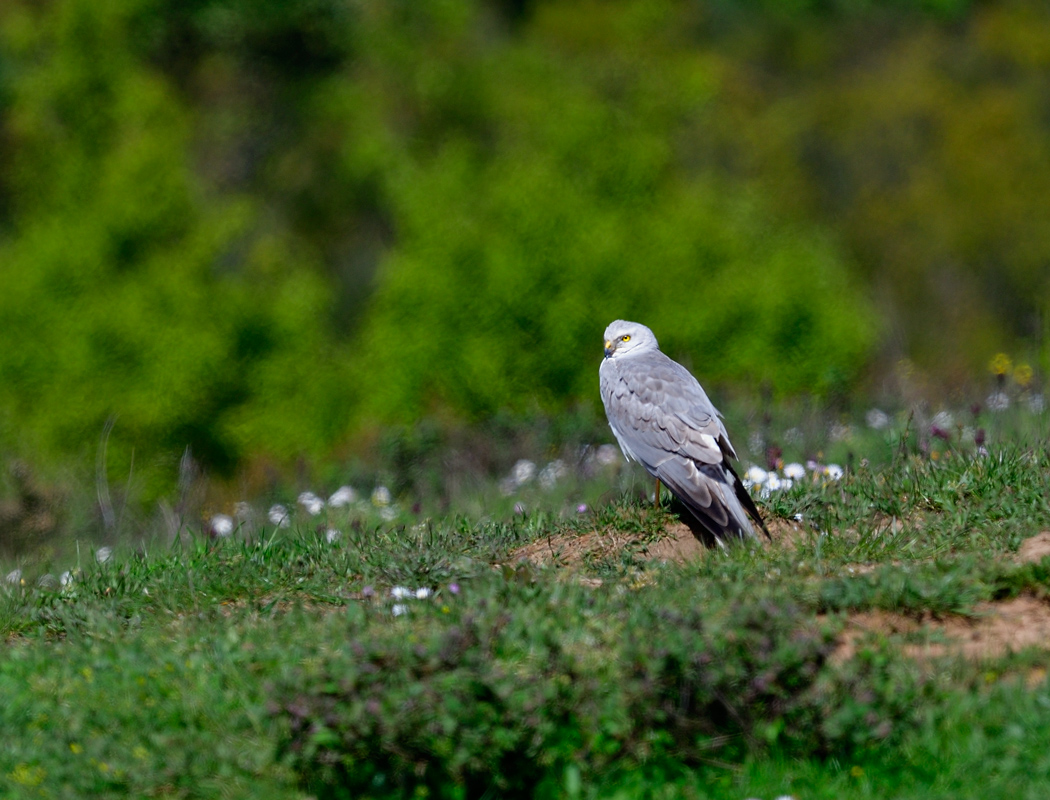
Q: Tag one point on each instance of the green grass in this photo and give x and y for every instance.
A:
(273, 665)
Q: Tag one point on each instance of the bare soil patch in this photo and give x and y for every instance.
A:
(995, 630)
(1034, 549)
(786, 533)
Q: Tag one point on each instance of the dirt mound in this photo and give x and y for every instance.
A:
(995, 630)
(786, 533)
(677, 543)
(1034, 549)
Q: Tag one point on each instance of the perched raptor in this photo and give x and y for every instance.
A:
(663, 420)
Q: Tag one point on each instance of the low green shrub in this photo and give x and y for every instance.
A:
(514, 692)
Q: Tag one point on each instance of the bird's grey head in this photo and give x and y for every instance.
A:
(623, 338)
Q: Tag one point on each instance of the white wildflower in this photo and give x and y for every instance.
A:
(773, 482)
(65, 580)
(278, 515)
(222, 525)
(943, 420)
(401, 592)
(523, 471)
(552, 473)
(46, 581)
(793, 435)
(840, 432)
(343, 496)
(14, 577)
(388, 513)
(103, 554)
(877, 419)
(381, 496)
(608, 454)
(794, 471)
(756, 475)
(834, 472)
(1036, 403)
(313, 504)
(423, 592)
(755, 442)
(398, 609)
(243, 511)
(332, 535)
(998, 401)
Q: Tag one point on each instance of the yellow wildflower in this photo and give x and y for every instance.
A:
(1000, 364)
(1023, 375)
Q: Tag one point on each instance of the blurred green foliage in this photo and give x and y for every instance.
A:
(130, 290)
(579, 206)
(254, 228)
(923, 140)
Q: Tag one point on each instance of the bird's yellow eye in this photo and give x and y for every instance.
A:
(625, 338)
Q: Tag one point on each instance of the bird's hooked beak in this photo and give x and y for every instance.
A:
(609, 348)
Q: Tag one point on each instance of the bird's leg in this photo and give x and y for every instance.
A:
(656, 495)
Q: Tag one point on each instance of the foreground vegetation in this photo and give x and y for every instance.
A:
(423, 660)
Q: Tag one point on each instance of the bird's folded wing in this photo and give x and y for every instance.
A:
(659, 409)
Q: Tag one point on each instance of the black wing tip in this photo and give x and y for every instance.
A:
(747, 501)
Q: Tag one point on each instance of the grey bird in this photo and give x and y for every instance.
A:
(662, 418)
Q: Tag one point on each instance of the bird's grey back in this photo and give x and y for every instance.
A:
(657, 392)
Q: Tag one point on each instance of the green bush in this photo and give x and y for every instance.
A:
(506, 701)
(128, 294)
